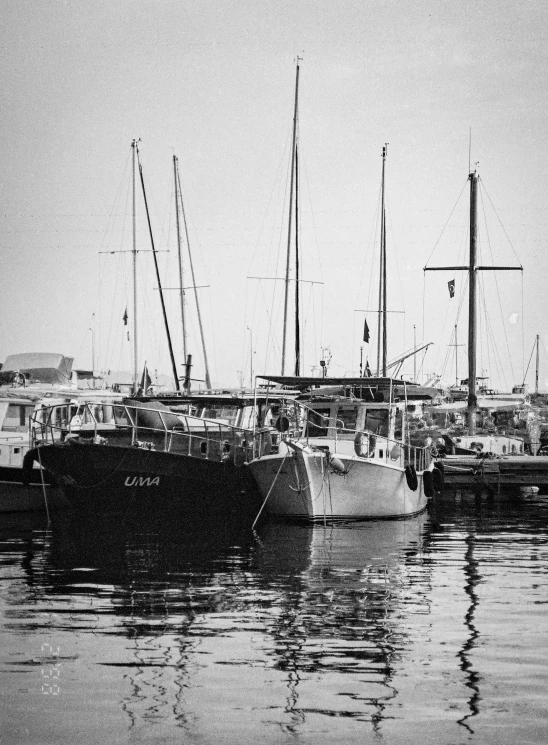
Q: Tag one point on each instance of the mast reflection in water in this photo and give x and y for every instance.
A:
(395, 631)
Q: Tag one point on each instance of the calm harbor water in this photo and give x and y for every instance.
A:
(427, 630)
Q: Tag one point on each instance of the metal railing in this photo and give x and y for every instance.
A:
(150, 429)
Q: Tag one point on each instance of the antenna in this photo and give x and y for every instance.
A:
(469, 149)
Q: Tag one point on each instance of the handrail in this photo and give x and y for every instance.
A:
(193, 436)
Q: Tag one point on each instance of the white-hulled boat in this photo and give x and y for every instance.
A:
(29, 383)
(347, 458)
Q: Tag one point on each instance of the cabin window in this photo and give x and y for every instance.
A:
(16, 418)
(346, 419)
(318, 422)
(228, 414)
(376, 421)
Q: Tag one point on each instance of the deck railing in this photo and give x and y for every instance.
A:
(147, 428)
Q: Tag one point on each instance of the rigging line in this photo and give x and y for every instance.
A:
(530, 358)
(275, 187)
(445, 226)
(120, 259)
(395, 250)
(194, 284)
(496, 283)
(173, 365)
(303, 169)
(501, 224)
(490, 338)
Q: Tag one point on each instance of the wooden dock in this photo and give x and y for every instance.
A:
(497, 473)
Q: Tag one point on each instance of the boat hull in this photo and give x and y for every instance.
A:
(15, 496)
(303, 484)
(96, 478)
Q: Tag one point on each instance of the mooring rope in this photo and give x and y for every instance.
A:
(269, 491)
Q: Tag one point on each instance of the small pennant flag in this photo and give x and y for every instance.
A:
(125, 317)
(365, 331)
(451, 287)
(367, 369)
(145, 380)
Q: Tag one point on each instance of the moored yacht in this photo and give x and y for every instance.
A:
(343, 457)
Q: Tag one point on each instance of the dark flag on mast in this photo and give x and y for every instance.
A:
(124, 319)
(365, 331)
(146, 381)
(451, 286)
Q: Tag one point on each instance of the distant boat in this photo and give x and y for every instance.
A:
(476, 438)
(29, 383)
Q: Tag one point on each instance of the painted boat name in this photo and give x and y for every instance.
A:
(142, 481)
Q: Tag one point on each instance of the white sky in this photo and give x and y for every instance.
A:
(213, 81)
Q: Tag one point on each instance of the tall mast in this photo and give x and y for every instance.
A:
(172, 357)
(179, 253)
(202, 337)
(135, 350)
(297, 278)
(456, 358)
(382, 336)
(472, 270)
(536, 371)
(472, 319)
(293, 154)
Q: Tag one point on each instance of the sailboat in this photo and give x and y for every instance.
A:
(141, 454)
(344, 456)
(478, 439)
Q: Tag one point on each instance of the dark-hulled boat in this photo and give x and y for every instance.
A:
(139, 455)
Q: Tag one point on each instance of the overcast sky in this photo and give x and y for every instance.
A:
(213, 82)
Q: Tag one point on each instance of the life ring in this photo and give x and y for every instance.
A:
(438, 477)
(428, 484)
(364, 444)
(282, 424)
(411, 476)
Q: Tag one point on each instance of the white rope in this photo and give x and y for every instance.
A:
(269, 491)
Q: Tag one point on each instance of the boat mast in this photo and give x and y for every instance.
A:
(172, 357)
(293, 156)
(472, 270)
(181, 284)
(297, 278)
(382, 336)
(536, 371)
(202, 337)
(135, 352)
(472, 319)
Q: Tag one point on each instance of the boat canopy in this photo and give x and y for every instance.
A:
(40, 367)
(356, 386)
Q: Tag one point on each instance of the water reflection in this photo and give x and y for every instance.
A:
(369, 626)
(340, 593)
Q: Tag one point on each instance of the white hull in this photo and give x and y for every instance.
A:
(302, 483)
